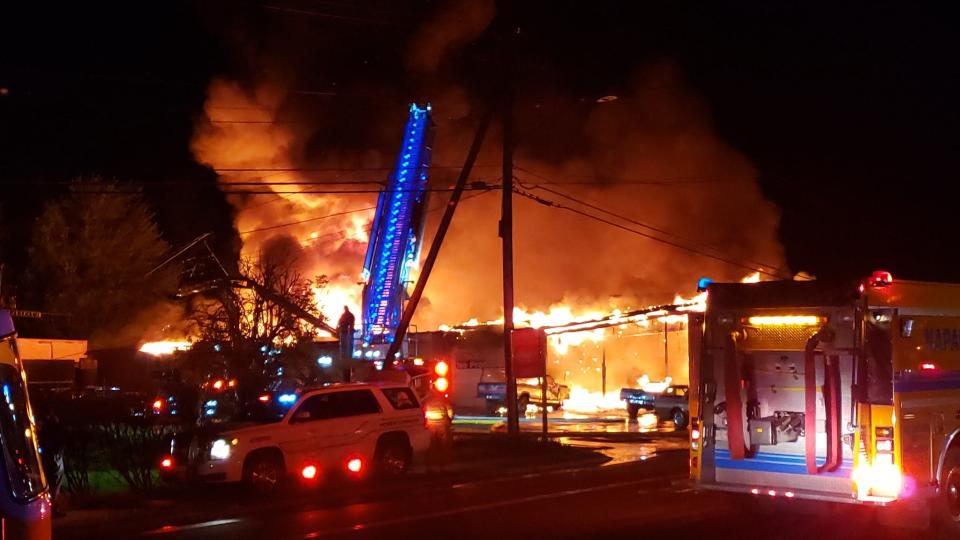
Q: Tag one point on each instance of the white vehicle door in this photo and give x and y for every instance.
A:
(330, 424)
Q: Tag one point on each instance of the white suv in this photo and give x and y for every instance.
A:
(343, 428)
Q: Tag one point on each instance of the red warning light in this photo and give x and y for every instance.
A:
(158, 404)
(218, 384)
(309, 472)
(263, 398)
(928, 366)
(166, 463)
(881, 278)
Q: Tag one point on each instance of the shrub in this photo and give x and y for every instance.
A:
(82, 453)
(133, 449)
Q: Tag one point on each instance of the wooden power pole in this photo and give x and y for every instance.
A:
(506, 218)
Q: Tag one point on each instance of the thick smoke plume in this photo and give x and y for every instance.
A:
(651, 155)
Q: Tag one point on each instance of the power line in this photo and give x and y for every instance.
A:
(553, 204)
(587, 179)
(300, 192)
(334, 169)
(326, 15)
(640, 223)
(292, 223)
(346, 212)
(303, 183)
(212, 121)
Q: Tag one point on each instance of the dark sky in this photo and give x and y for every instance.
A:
(847, 111)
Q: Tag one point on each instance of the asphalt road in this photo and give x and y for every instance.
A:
(638, 499)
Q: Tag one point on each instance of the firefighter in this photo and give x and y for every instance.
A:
(345, 335)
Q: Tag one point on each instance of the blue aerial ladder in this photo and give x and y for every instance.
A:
(397, 233)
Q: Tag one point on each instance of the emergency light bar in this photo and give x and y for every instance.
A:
(881, 278)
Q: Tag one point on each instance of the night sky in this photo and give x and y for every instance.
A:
(847, 112)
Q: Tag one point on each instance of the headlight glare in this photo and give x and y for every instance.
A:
(220, 449)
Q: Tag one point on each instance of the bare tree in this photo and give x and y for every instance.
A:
(245, 319)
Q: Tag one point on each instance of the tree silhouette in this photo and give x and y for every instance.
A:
(89, 257)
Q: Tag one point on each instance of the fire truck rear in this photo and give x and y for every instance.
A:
(846, 393)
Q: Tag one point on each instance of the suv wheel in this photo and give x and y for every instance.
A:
(263, 473)
(392, 457)
(633, 410)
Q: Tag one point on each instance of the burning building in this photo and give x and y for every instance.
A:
(646, 199)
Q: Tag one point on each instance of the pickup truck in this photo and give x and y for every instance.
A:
(671, 404)
(493, 388)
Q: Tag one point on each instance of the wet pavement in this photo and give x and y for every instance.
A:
(638, 499)
(637, 489)
(568, 422)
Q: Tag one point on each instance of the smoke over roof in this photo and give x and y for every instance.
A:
(651, 155)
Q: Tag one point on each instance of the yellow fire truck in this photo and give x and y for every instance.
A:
(846, 393)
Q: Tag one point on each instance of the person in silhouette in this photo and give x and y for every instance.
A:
(345, 335)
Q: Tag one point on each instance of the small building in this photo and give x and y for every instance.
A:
(55, 362)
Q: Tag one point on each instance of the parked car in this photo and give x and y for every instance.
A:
(493, 388)
(350, 428)
(671, 404)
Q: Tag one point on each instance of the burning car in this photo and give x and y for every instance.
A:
(493, 388)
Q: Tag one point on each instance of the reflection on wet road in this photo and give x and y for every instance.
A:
(620, 439)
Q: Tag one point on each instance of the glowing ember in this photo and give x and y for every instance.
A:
(165, 348)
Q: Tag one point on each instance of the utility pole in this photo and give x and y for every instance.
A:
(603, 372)
(506, 218)
(666, 351)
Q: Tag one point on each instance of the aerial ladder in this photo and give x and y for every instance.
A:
(392, 255)
(397, 235)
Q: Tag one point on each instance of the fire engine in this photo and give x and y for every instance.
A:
(846, 393)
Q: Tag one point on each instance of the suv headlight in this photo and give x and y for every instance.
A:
(220, 449)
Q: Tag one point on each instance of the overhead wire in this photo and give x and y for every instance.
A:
(553, 204)
(611, 180)
(297, 192)
(346, 212)
(326, 15)
(640, 223)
